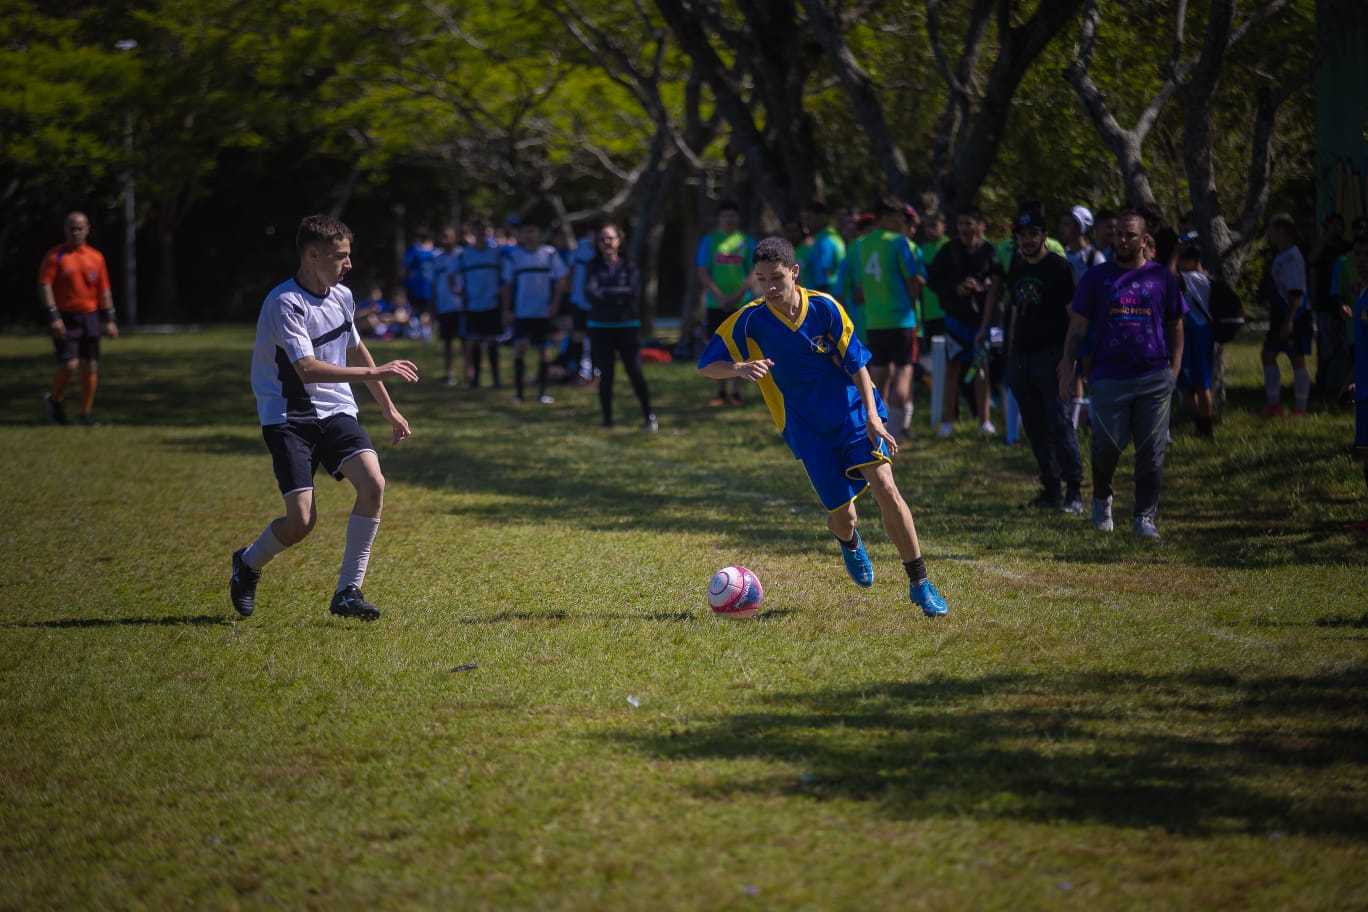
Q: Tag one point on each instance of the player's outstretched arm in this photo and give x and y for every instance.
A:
(377, 389)
(742, 370)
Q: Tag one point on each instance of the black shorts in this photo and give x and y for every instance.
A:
(1299, 343)
(892, 346)
(535, 330)
(82, 337)
(451, 325)
(931, 328)
(581, 318)
(298, 448)
(484, 325)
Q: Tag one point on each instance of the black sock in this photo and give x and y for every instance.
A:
(519, 368)
(1204, 428)
(849, 545)
(916, 569)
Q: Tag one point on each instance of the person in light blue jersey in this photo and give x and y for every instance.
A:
(799, 347)
(450, 319)
(479, 278)
(536, 280)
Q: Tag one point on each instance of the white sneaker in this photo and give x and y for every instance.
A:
(1102, 515)
(946, 430)
(547, 400)
(987, 429)
(1145, 528)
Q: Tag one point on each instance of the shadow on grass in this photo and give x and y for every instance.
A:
(184, 620)
(1197, 753)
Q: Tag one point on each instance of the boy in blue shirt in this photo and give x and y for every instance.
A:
(800, 348)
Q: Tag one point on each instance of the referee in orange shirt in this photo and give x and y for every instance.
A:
(73, 286)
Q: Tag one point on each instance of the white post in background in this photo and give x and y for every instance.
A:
(1013, 412)
(938, 365)
(130, 302)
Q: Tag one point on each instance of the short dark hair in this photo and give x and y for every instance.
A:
(774, 250)
(728, 205)
(1284, 221)
(890, 205)
(1101, 214)
(1154, 219)
(320, 229)
(1192, 250)
(816, 207)
(1133, 214)
(971, 210)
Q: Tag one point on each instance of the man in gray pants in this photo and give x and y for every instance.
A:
(1134, 309)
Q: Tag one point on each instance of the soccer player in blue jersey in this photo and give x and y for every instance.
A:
(800, 348)
(306, 335)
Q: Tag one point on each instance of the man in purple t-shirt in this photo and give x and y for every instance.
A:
(1134, 310)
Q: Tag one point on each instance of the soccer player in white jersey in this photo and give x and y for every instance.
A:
(300, 374)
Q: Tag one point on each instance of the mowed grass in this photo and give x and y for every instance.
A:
(1099, 723)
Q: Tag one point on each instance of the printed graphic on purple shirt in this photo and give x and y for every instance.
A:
(1128, 310)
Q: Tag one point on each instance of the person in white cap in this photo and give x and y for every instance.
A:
(1073, 233)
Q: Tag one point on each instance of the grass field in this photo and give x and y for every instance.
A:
(1099, 723)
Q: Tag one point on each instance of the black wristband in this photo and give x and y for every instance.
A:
(107, 314)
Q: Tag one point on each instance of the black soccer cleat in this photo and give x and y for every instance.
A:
(242, 587)
(56, 412)
(350, 603)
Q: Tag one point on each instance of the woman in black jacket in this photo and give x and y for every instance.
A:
(613, 288)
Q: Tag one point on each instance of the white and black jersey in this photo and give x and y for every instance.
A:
(295, 324)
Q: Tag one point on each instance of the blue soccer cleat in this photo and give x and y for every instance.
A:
(925, 596)
(857, 563)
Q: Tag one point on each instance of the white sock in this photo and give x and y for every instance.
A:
(360, 534)
(1301, 386)
(260, 552)
(1272, 383)
(907, 415)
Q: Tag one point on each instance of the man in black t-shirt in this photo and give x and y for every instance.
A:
(961, 275)
(1038, 293)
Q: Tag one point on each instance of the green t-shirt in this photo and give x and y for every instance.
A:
(729, 258)
(887, 260)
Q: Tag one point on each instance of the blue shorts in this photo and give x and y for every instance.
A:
(298, 448)
(835, 470)
(961, 335)
(1198, 355)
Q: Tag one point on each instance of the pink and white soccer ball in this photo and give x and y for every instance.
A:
(735, 592)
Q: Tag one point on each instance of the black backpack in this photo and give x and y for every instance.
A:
(1227, 312)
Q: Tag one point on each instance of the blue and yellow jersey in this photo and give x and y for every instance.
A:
(887, 260)
(809, 390)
